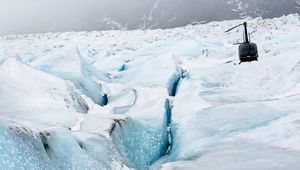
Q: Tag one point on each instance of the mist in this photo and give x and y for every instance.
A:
(39, 16)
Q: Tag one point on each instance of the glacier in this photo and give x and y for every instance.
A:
(152, 99)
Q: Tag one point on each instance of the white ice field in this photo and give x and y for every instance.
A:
(152, 99)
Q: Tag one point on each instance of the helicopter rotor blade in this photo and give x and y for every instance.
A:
(238, 43)
(233, 28)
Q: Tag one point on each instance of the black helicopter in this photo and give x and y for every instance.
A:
(247, 50)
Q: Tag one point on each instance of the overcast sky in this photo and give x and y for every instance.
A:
(38, 16)
(25, 16)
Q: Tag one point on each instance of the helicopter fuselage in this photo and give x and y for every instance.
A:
(248, 52)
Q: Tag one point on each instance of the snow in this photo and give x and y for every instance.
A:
(152, 99)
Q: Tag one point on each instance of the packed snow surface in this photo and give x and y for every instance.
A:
(152, 99)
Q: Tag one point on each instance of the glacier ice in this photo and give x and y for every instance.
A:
(140, 142)
(77, 70)
(57, 148)
(22, 148)
(151, 99)
(79, 151)
(25, 92)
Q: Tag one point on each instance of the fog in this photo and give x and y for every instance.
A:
(39, 16)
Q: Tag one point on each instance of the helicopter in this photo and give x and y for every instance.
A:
(247, 50)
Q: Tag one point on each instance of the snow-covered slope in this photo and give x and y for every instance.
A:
(155, 99)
